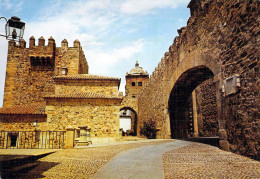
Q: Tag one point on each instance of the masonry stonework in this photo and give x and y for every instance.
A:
(207, 109)
(30, 71)
(221, 39)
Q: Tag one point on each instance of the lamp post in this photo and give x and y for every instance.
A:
(34, 125)
(14, 28)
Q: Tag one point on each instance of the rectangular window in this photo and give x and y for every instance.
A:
(133, 83)
(140, 84)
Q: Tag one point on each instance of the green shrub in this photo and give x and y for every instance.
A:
(149, 129)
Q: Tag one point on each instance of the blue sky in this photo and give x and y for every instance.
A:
(113, 33)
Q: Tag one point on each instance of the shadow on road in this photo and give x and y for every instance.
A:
(23, 166)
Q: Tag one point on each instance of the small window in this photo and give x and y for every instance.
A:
(133, 96)
(133, 83)
(140, 84)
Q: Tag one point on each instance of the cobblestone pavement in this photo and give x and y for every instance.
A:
(191, 161)
(204, 161)
(143, 162)
(81, 163)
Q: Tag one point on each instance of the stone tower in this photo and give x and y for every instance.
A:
(135, 81)
(30, 71)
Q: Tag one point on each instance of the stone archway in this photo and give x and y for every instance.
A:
(132, 114)
(155, 101)
(182, 102)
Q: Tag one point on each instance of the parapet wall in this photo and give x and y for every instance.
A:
(225, 35)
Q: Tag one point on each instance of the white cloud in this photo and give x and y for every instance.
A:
(143, 7)
(105, 59)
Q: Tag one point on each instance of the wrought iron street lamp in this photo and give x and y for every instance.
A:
(14, 28)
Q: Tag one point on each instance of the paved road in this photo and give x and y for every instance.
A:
(144, 162)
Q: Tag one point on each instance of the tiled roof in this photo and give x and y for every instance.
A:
(86, 77)
(82, 95)
(32, 108)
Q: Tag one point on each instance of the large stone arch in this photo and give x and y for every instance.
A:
(181, 101)
(192, 63)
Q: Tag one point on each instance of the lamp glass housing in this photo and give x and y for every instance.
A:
(14, 29)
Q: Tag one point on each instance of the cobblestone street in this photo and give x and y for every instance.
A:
(180, 159)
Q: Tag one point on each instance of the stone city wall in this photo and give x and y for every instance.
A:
(225, 35)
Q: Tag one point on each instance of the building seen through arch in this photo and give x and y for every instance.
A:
(135, 81)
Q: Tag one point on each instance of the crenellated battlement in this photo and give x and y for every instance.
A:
(41, 43)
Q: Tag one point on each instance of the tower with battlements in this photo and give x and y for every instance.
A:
(30, 71)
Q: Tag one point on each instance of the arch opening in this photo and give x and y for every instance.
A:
(183, 105)
(128, 121)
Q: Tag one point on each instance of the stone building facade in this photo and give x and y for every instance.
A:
(135, 80)
(50, 86)
(220, 42)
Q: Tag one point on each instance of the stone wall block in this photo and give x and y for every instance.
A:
(11, 43)
(22, 43)
(51, 42)
(224, 145)
(41, 42)
(64, 43)
(76, 43)
(32, 42)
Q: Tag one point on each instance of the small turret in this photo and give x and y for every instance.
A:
(41, 41)
(64, 44)
(22, 43)
(31, 42)
(51, 42)
(76, 43)
(11, 43)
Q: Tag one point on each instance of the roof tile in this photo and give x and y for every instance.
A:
(82, 95)
(33, 108)
(86, 77)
